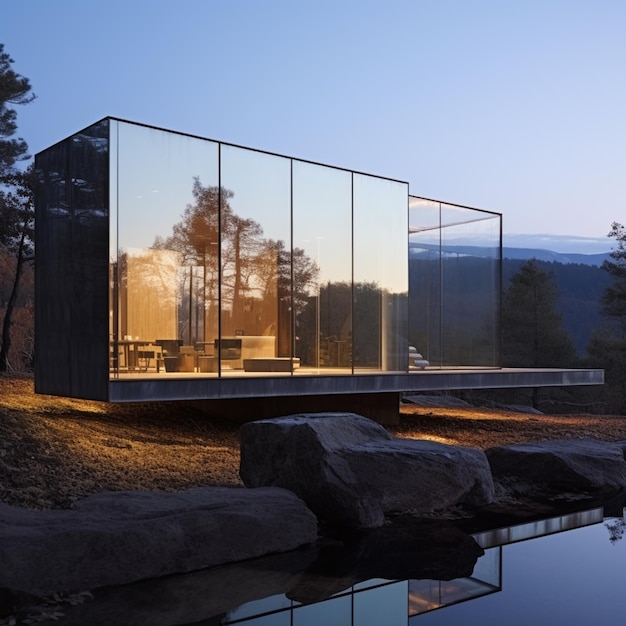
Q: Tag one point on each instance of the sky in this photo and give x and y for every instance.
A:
(514, 107)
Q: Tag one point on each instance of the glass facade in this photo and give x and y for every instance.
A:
(181, 257)
(226, 261)
(454, 284)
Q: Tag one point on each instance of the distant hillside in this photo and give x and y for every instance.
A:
(549, 256)
(508, 252)
(580, 286)
(579, 279)
(557, 243)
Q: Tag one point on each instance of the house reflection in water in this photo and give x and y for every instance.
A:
(393, 603)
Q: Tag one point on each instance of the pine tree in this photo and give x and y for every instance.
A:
(14, 90)
(614, 298)
(607, 345)
(532, 329)
(16, 198)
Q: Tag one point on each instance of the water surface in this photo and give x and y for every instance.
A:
(564, 570)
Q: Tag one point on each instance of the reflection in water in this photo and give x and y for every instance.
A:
(385, 601)
(559, 570)
(616, 527)
(574, 577)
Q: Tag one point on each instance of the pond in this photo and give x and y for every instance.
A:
(569, 569)
(565, 570)
(571, 577)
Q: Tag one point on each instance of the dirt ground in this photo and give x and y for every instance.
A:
(54, 451)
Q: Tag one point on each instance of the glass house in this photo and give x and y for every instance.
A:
(171, 266)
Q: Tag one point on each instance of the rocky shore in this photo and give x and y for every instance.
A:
(56, 451)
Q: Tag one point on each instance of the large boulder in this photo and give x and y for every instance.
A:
(350, 471)
(119, 537)
(568, 465)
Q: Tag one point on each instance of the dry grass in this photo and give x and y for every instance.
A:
(484, 428)
(54, 451)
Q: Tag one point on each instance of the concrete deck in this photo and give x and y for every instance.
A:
(133, 387)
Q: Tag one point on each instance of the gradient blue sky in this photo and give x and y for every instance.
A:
(513, 106)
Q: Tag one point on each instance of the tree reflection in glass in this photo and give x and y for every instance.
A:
(254, 284)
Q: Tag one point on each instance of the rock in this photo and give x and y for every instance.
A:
(421, 477)
(351, 472)
(299, 453)
(568, 465)
(119, 537)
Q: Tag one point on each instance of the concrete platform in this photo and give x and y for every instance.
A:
(240, 384)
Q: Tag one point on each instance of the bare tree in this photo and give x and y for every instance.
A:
(17, 208)
(255, 272)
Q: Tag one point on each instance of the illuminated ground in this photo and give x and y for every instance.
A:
(54, 451)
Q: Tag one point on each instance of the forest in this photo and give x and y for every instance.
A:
(579, 290)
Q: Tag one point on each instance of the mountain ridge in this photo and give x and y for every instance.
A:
(542, 254)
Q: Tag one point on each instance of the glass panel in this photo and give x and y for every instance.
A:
(322, 268)
(255, 256)
(278, 606)
(488, 568)
(113, 248)
(454, 278)
(337, 611)
(425, 280)
(471, 287)
(384, 605)
(380, 274)
(167, 248)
